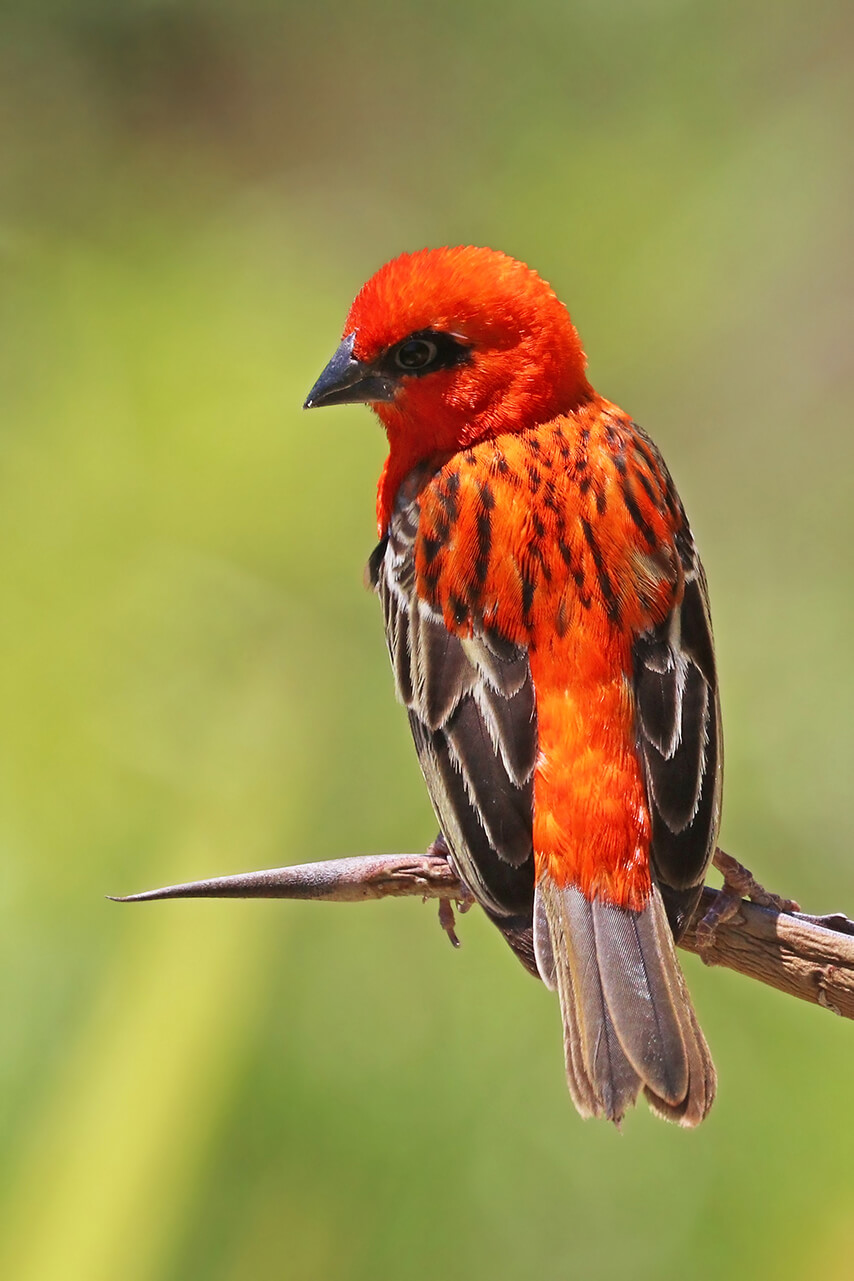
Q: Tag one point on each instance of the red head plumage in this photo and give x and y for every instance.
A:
(523, 363)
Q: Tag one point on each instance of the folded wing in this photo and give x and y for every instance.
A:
(473, 718)
(678, 722)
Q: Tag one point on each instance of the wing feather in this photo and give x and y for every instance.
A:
(678, 720)
(472, 712)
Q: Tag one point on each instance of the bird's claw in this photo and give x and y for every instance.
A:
(739, 883)
(447, 920)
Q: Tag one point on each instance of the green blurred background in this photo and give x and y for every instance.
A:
(192, 680)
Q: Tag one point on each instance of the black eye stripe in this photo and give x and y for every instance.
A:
(424, 352)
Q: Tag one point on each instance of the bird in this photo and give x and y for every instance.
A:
(547, 620)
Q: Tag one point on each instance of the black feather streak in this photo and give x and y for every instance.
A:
(432, 547)
(550, 498)
(484, 544)
(537, 553)
(529, 588)
(609, 597)
(448, 496)
(460, 610)
(636, 513)
(649, 488)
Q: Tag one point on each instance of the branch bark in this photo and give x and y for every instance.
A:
(809, 957)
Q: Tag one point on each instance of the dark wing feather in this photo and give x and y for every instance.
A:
(473, 718)
(678, 717)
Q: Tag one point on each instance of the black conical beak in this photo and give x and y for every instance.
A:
(348, 381)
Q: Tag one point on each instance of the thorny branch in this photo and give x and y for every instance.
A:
(810, 957)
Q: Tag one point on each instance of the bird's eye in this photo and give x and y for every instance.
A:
(416, 353)
(424, 352)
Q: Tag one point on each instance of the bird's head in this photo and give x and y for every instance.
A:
(454, 346)
(465, 342)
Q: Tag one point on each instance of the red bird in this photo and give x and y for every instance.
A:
(548, 624)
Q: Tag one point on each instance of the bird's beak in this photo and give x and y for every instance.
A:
(348, 381)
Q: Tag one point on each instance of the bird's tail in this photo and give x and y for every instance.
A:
(628, 1020)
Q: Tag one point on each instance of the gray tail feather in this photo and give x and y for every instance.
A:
(628, 1020)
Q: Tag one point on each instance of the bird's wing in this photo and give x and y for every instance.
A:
(678, 722)
(472, 713)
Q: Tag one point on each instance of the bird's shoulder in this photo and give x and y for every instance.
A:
(523, 531)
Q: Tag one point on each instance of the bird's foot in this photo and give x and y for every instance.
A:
(439, 849)
(447, 919)
(739, 883)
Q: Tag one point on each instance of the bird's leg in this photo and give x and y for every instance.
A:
(447, 920)
(739, 883)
